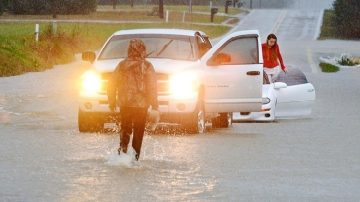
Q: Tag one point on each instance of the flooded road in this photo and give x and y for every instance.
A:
(44, 157)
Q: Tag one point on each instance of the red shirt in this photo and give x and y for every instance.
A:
(272, 56)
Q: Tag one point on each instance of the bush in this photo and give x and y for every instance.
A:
(53, 6)
(346, 60)
(347, 18)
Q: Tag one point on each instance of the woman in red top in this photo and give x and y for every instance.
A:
(273, 60)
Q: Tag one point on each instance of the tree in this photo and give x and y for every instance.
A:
(161, 9)
(347, 20)
(1, 7)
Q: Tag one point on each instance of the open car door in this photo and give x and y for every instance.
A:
(297, 98)
(232, 75)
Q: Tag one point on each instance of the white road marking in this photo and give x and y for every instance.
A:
(312, 64)
(279, 21)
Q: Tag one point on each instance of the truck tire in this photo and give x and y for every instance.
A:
(195, 124)
(90, 122)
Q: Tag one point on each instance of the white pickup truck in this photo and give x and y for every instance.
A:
(197, 83)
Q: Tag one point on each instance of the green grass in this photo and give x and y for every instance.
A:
(328, 30)
(325, 67)
(20, 53)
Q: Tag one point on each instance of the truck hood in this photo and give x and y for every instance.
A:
(166, 66)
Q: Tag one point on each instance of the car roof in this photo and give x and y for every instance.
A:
(182, 32)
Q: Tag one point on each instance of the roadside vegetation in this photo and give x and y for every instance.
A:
(343, 21)
(347, 60)
(19, 53)
(328, 29)
(329, 68)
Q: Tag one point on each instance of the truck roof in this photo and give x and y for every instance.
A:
(182, 32)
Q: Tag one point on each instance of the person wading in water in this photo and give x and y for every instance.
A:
(133, 87)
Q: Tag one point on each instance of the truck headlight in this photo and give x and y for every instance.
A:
(90, 83)
(184, 86)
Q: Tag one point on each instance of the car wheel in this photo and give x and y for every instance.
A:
(196, 123)
(89, 122)
(222, 121)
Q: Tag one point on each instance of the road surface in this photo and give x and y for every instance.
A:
(44, 158)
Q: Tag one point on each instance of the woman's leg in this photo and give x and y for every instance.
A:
(272, 73)
(126, 128)
(139, 118)
(269, 72)
(276, 73)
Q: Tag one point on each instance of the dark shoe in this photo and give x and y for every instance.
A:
(124, 150)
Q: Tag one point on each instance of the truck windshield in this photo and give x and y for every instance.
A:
(157, 46)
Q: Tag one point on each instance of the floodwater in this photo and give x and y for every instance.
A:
(43, 157)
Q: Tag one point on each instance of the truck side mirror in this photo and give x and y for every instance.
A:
(88, 56)
(218, 59)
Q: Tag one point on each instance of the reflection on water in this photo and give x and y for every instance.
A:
(94, 174)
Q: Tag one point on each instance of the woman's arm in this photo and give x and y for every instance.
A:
(280, 58)
(112, 88)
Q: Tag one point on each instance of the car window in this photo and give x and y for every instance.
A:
(239, 51)
(294, 76)
(157, 46)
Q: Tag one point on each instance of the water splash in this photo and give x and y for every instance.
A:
(126, 160)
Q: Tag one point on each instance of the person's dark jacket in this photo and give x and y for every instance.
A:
(133, 84)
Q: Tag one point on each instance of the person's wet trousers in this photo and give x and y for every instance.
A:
(133, 120)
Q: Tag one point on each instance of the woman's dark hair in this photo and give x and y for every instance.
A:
(272, 36)
(273, 56)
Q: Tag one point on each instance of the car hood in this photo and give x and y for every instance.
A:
(166, 66)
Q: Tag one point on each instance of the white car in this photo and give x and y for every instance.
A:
(197, 83)
(290, 96)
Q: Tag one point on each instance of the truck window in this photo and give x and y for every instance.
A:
(240, 51)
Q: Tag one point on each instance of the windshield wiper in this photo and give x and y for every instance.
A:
(164, 47)
(151, 52)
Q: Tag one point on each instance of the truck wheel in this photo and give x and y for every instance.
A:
(196, 122)
(89, 122)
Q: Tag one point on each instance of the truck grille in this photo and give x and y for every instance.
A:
(162, 79)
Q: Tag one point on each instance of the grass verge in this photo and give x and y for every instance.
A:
(328, 30)
(19, 53)
(325, 67)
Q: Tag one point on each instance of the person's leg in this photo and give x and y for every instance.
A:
(126, 128)
(276, 73)
(139, 119)
(269, 73)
